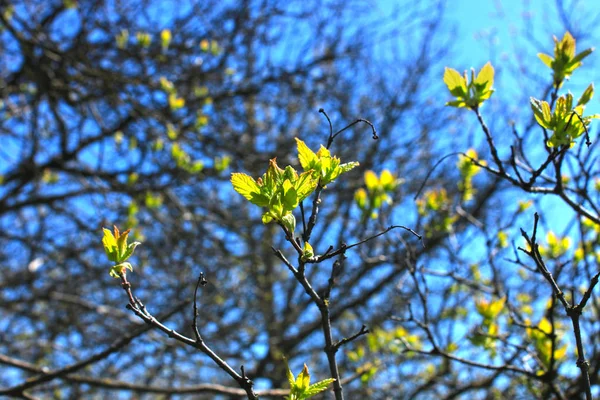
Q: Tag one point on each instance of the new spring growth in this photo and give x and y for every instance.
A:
(300, 387)
(469, 93)
(280, 191)
(118, 250)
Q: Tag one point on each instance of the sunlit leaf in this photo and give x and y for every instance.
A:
(455, 82)
(546, 59)
(586, 95)
(247, 187)
(371, 180)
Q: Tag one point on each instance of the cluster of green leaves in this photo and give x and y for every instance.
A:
(143, 39)
(118, 250)
(590, 243)
(436, 205)
(565, 61)
(300, 387)
(175, 102)
(378, 191)
(184, 161)
(280, 191)
(323, 166)
(381, 341)
(490, 327)
(546, 348)
(567, 122)
(469, 93)
(468, 169)
(122, 38)
(211, 46)
(556, 246)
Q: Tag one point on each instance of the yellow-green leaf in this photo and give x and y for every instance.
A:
(485, 76)
(110, 245)
(303, 379)
(546, 59)
(387, 180)
(247, 187)
(371, 180)
(586, 96)
(308, 252)
(306, 156)
(455, 82)
(360, 197)
(305, 185)
(165, 38)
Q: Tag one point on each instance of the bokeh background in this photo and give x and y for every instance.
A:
(135, 113)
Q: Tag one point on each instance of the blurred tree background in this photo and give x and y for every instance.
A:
(135, 113)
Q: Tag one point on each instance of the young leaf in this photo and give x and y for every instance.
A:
(305, 185)
(470, 94)
(546, 59)
(110, 245)
(540, 112)
(318, 387)
(130, 249)
(343, 168)
(387, 181)
(117, 270)
(306, 156)
(308, 252)
(117, 250)
(371, 180)
(485, 77)
(303, 379)
(586, 96)
(289, 222)
(248, 187)
(360, 197)
(455, 82)
(267, 217)
(290, 197)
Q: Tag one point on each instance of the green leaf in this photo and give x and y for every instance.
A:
(348, 166)
(290, 375)
(274, 174)
(117, 270)
(323, 152)
(567, 45)
(455, 82)
(305, 185)
(110, 245)
(306, 156)
(577, 59)
(267, 217)
(248, 187)
(318, 387)
(289, 222)
(129, 251)
(121, 243)
(457, 103)
(541, 112)
(303, 379)
(308, 252)
(387, 180)
(360, 197)
(371, 180)
(586, 96)
(485, 77)
(546, 59)
(290, 197)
